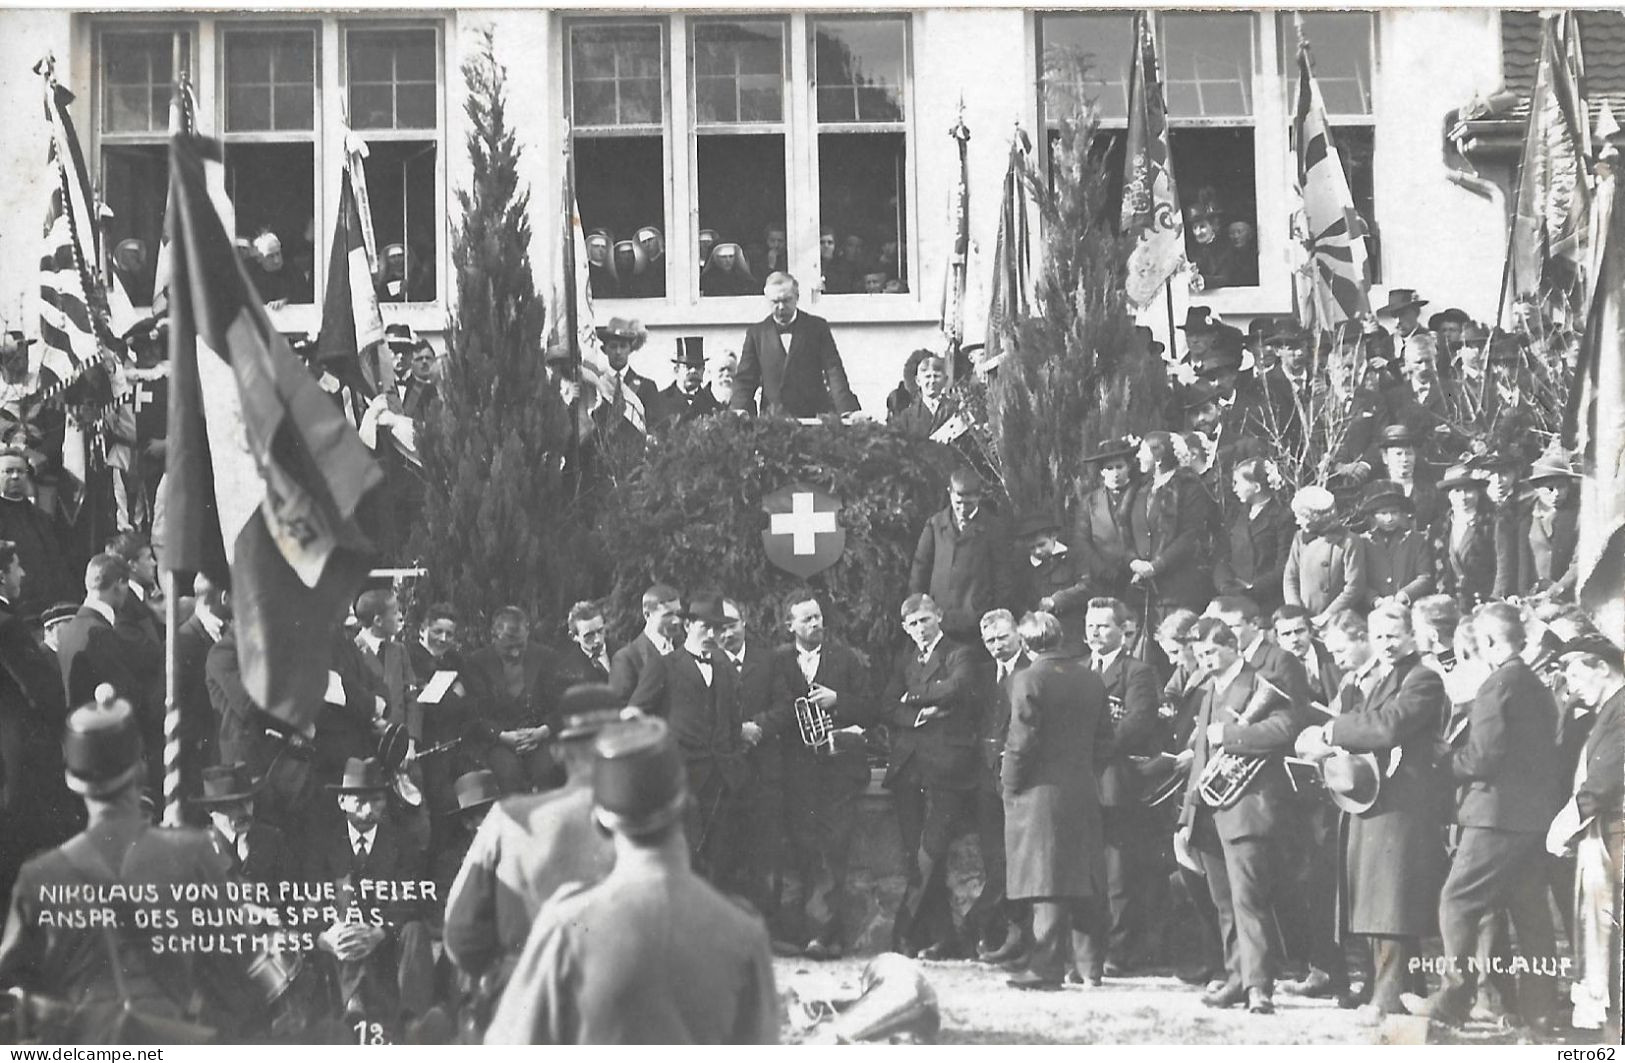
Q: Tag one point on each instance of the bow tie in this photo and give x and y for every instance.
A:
(700, 658)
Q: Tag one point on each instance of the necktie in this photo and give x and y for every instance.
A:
(360, 852)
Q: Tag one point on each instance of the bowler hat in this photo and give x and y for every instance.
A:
(1114, 448)
(1199, 319)
(225, 783)
(1385, 494)
(399, 335)
(1459, 476)
(1353, 780)
(1400, 299)
(1286, 331)
(638, 781)
(1036, 523)
(690, 351)
(361, 776)
(101, 746)
(1398, 435)
(57, 613)
(1228, 352)
(706, 608)
(475, 790)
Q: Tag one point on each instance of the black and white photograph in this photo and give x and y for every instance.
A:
(981, 525)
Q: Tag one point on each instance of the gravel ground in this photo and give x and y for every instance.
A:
(978, 1008)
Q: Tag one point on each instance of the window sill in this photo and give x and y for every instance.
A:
(838, 309)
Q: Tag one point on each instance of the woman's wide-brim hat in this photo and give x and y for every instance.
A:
(1353, 781)
(224, 784)
(1550, 467)
(1111, 449)
(1460, 476)
(624, 328)
(639, 785)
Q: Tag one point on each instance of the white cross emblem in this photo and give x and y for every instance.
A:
(140, 396)
(803, 524)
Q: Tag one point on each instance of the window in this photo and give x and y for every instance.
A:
(1342, 48)
(269, 132)
(618, 112)
(739, 148)
(138, 68)
(859, 80)
(393, 78)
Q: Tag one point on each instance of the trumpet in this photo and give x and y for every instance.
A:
(1226, 776)
(816, 727)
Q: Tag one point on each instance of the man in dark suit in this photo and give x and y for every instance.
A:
(930, 704)
(791, 358)
(702, 699)
(995, 921)
(436, 648)
(963, 559)
(636, 672)
(1059, 729)
(764, 813)
(621, 338)
(514, 683)
(1104, 541)
(199, 721)
(379, 612)
(1243, 714)
(930, 409)
(1240, 614)
(821, 786)
(39, 536)
(685, 399)
(1506, 765)
(1130, 828)
(589, 661)
(256, 851)
(1296, 635)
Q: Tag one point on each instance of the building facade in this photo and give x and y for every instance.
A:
(781, 132)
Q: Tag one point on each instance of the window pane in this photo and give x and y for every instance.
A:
(372, 106)
(1208, 62)
(400, 185)
(1086, 58)
(862, 206)
(369, 58)
(858, 70)
(270, 81)
(272, 187)
(392, 79)
(741, 194)
(137, 71)
(739, 72)
(621, 188)
(136, 179)
(1216, 185)
(1340, 47)
(414, 107)
(248, 58)
(129, 111)
(295, 105)
(615, 75)
(248, 107)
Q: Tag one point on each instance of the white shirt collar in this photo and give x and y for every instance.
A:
(356, 837)
(368, 641)
(138, 590)
(1106, 660)
(1162, 478)
(663, 644)
(101, 607)
(1252, 647)
(925, 654)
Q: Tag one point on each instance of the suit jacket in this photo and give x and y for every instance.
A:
(650, 955)
(1281, 668)
(1250, 558)
(536, 705)
(1431, 420)
(1060, 731)
(391, 668)
(1262, 808)
(1170, 526)
(839, 669)
(1131, 700)
(672, 407)
(1327, 572)
(1508, 759)
(705, 719)
(573, 667)
(966, 571)
(637, 673)
(941, 753)
(1400, 563)
(91, 651)
(1602, 777)
(756, 701)
(1065, 582)
(1546, 548)
(1325, 680)
(271, 859)
(1104, 541)
(807, 380)
(917, 421)
(995, 697)
(35, 804)
(1366, 416)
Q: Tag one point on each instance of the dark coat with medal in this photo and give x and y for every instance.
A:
(1131, 702)
(1394, 859)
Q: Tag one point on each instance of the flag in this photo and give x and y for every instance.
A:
(954, 278)
(1016, 255)
(1553, 192)
(1150, 196)
(69, 337)
(352, 327)
(182, 122)
(576, 324)
(1595, 422)
(265, 476)
(1335, 279)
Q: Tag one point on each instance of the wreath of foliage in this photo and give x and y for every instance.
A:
(699, 520)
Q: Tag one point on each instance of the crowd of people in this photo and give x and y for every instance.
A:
(1332, 724)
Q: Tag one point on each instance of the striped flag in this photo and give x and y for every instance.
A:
(265, 476)
(1335, 280)
(1016, 255)
(1150, 195)
(577, 324)
(69, 326)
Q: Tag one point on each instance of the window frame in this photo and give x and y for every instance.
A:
(206, 67)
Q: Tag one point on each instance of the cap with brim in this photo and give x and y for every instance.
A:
(1112, 449)
(1398, 435)
(638, 781)
(59, 612)
(1033, 525)
(361, 776)
(1353, 781)
(226, 783)
(476, 790)
(1460, 476)
(101, 746)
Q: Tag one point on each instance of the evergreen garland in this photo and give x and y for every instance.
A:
(498, 524)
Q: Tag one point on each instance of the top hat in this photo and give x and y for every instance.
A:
(1199, 319)
(1260, 328)
(1036, 523)
(1400, 299)
(1384, 494)
(58, 612)
(101, 747)
(475, 790)
(1114, 448)
(361, 776)
(225, 783)
(706, 608)
(1352, 780)
(1398, 435)
(690, 351)
(1551, 466)
(638, 782)
(1459, 476)
(624, 328)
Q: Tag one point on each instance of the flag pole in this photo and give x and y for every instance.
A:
(1168, 290)
(1542, 79)
(173, 746)
(571, 311)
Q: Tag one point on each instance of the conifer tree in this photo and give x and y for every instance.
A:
(499, 523)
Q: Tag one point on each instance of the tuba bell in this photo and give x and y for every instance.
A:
(1226, 775)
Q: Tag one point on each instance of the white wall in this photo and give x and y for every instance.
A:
(25, 37)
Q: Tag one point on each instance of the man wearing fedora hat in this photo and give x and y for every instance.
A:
(257, 852)
(1103, 536)
(111, 979)
(1405, 309)
(1550, 528)
(621, 338)
(653, 954)
(1393, 861)
(528, 846)
(475, 792)
(684, 400)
